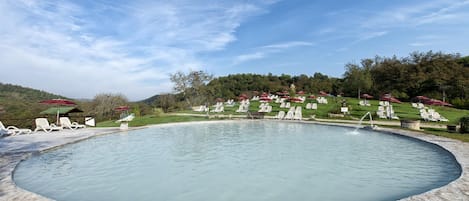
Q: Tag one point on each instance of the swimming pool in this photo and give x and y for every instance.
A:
(247, 160)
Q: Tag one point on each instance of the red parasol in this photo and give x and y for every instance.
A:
(312, 96)
(422, 98)
(58, 102)
(300, 93)
(365, 96)
(388, 97)
(122, 108)
(296, 100)
(265, 98)
(264, 94)
(436, 102)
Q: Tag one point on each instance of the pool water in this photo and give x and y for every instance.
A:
(239, 161)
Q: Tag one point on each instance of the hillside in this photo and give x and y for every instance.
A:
(17, 102)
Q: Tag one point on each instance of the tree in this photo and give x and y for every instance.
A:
(192, 86)
(103, 104)
(358, 78)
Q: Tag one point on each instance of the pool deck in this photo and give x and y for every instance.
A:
(14, 149)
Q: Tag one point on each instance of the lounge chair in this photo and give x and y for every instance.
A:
(66, 123)
(12, 130)
(314, 106)
(298, 115)
(308, 106)
(280, 115)
(43, 124)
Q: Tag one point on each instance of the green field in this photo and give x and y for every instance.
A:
(402, 110)
(151, 119)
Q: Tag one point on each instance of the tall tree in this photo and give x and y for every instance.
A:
(358, 78)
(192, 86)
(104, 104)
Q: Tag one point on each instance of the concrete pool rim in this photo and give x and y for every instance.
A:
(455, 190)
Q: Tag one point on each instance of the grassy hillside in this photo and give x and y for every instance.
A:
(403, 110)
(21, 103)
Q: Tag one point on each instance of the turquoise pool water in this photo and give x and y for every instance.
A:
(239, 161)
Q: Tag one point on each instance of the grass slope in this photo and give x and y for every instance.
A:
(403, 110)
(151, 119)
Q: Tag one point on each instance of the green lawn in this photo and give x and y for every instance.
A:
(151, 119)
(403, 110)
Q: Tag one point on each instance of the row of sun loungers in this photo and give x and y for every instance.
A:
(321, 100)
(386, 112)
(364, 103)
(41, 124)
(431, 115)
(292, 114)
(311, 106)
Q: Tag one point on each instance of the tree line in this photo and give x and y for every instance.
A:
(432, 74)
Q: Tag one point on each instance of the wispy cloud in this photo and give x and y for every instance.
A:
(287, 45)
(430, 12)
(80, 51)
(266, 50)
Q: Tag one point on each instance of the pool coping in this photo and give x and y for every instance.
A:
(455, 190)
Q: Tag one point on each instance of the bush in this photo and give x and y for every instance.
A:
(464, 123)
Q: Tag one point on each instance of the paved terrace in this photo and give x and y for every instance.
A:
(16, 148)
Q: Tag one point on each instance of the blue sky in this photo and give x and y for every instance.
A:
(84, 47)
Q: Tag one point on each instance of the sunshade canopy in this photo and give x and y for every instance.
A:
(61, 110)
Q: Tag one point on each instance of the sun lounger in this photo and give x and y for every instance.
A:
(12, 130)
(280, 115)
(298, 114)
(66, 123)
(43, 124)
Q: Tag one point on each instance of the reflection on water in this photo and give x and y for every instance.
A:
(252, 160)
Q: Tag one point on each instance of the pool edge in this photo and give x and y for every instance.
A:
(455, 190)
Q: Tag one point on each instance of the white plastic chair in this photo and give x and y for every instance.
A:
(12, 130)
(66, 123)
(43, 124)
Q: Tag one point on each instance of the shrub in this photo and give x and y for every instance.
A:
(464, 123)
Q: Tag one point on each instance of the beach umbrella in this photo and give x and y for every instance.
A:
(322, 93)
(295, 99)
(389, 98)
(437, 102)
(312, 97)
(122, 108)
(365, 96)
(58, 102)
(264, 94)
(300, 93)
(265, 99)
(219, 100)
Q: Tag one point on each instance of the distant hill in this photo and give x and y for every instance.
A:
(17, 102)
(150, 100)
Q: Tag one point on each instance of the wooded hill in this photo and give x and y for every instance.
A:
(433, 74)
(17, 102)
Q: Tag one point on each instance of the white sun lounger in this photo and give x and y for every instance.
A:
(43, 124)
(280, 115)
(66, 123)
(12, 130)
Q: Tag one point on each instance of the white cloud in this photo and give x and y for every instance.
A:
(430, 12)
(77, 51)
(267, 50)
(287, 45)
